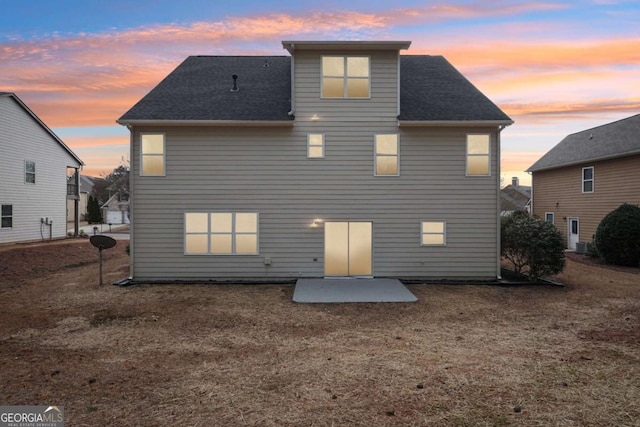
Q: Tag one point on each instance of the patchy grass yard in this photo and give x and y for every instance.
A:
(206, 355)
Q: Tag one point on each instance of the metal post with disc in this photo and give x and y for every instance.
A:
(102, 242)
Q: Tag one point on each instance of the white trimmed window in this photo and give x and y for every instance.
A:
(549, 217)
(433, 233)
(152, 154)
(345, 77)
(7, 216)
(478, 155)
(587, 179)
(387, 158)
(221, 233)
(30, 172)
(315, 146)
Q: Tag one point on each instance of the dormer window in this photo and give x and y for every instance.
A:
(345, 77)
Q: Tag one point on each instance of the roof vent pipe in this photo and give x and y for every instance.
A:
(235, 83)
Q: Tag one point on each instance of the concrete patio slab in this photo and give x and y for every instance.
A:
(351, 290)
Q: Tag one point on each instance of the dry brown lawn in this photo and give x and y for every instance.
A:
(226, 355)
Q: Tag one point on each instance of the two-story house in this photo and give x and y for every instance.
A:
(34, 164)
(586, 176)
(342, 159)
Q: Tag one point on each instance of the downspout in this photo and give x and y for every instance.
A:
(498, 207)
(132, 164)
(293, 83)
(531, 201)
(76, 204)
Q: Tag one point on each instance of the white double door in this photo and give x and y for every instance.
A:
(348, 248)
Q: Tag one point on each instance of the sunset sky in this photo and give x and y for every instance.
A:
(556, 67)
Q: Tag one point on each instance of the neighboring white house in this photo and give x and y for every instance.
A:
(343, 159)
(33, 175)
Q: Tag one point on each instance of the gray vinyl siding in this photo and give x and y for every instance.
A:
(22, 138)
(266, 171)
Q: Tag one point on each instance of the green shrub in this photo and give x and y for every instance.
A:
(534, 247)
(618, 236)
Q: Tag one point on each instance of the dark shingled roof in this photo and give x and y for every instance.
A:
(200, 89)
(432, 89)
(616, 139)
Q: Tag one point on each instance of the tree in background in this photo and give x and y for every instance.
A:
(94, 214)
(534, 247)
(618, 236)
(116, 182)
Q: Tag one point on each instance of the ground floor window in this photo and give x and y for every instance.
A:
(433, 233)
(221, 233)
(549, 217)
(7, 216)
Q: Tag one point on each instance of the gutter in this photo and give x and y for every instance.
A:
(244, 123)
(501, 124)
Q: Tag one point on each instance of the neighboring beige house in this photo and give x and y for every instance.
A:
(343, 159)
(115, 210)
(586, 176)
(33, 175)
(85, 189)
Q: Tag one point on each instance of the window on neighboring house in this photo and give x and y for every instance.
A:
(221, 233)
(30, 172)
(345, 77)
(315, 146)
(587, 180)
(387, 155)
(152, 154)
(7, 216)
(433, 233)
(549, 217)
(478, 155)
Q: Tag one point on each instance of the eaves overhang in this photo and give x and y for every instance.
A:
(454, 123)
(292, 45)
(228, 123)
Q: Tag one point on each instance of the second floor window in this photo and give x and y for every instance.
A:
(30, 172)
(387, 155)
(587, 180)
(152, 154)
(345, 77)
(478, 155)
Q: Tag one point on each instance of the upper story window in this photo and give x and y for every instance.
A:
(387, 160)
(345, 77)
(315, 146)
(221, 233)
(30, 172)
(7, 216)
(478, 155)
(152, 154)
(587, 180)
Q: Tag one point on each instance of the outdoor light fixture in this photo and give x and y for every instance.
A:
(316, 223)
(315, 118)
